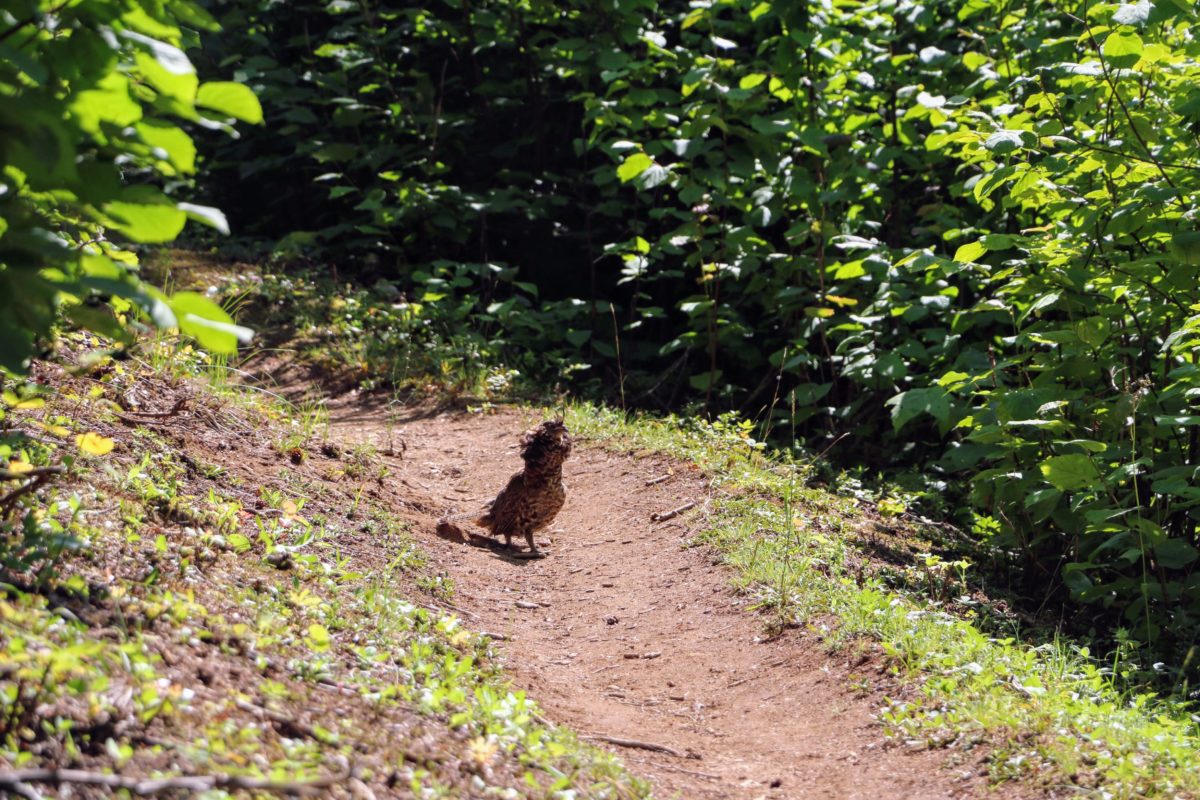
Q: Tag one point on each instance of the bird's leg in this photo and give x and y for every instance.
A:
(508, 541)
(529, 538)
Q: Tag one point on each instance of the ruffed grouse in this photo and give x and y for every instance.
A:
(534, 496)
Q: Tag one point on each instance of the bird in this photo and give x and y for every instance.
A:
(532, 497)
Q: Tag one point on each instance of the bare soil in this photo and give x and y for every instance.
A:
(628, 630)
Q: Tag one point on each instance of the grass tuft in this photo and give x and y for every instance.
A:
(1050, 711)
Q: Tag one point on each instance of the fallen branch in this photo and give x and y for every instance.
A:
(17, 782)
(26, 791)
(34, 472)
(639, 745)
(40, 475)
(659, 479)
(179, 407)
(669, 768)
(286, 724)
(675, 512)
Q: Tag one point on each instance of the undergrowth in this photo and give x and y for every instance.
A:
(850, 571)
(180, 597)
(1052, 711)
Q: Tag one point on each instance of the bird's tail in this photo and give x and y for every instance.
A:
(483, 519)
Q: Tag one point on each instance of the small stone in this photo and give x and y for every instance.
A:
(611, 619)
(280, 559)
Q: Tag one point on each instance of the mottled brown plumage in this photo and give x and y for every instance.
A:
(535, 495)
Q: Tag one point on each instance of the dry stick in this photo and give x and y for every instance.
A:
(288, 725)
(179, 407)
(34, 472)
(26, 791)
(659, 479)
(17, 781)
(39, 474)
(669, 768)
(663, 517)
(638, 745)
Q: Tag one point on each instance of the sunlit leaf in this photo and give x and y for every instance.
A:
(94, 444)
(1070, 472)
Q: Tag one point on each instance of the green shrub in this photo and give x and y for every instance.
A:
(92, 96)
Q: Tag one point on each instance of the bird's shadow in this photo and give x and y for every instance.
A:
(495, 546)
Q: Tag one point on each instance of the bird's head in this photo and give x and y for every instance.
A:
(546, 445)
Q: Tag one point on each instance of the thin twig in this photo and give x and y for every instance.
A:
(16, 779)
(675, 512)
(658, 480)
(40, 475)
(34, 472)
(30, 20)
(288, 726)
(640, 745)
(26, 791)
(132, 417)
(180, 406)
(698, 774)
(617, 342)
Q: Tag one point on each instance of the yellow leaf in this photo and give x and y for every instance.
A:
(483, 750)
(33, 402)
(20, 467)
(94, 444)
(54, 430)
(841, 301)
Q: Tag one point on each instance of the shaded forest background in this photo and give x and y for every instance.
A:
(953, 242)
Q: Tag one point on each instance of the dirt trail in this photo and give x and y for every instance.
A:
(637, 637)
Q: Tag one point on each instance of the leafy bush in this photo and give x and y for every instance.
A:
(960, 231)
(88, 95)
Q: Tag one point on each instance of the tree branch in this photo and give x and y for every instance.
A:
(17, 782)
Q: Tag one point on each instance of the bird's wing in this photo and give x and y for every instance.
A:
(506, 502)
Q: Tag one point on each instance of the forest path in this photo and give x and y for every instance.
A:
(633, 635)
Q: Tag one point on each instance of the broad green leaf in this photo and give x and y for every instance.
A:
(1175, 554)
(212, 217)
(970, 252)
(177, 87)
(909, 405)
(171, 58)
(1005, 141)
(703, 381)
(110, 102)
(231, 99)
(1070, 472)
(633, 166)
(149, 223)
(175, 145)
(208, 323)
(1122, 48)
